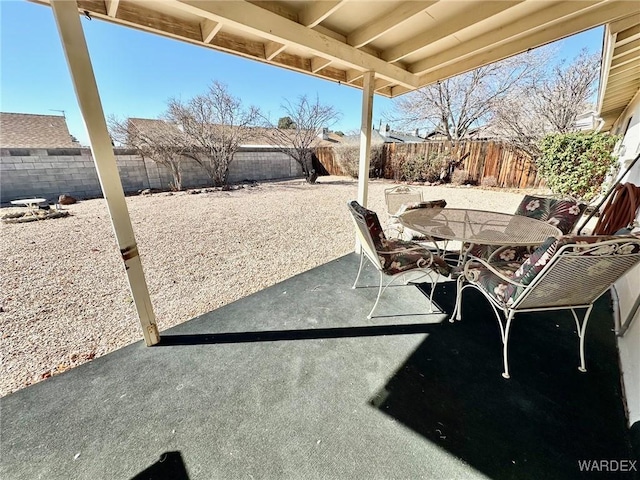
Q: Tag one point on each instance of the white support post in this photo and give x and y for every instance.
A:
(75, 49)
(368, 88)
(365, 137)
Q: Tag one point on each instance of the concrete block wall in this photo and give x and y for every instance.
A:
(47, 174)
(26, 173)
(262, 164)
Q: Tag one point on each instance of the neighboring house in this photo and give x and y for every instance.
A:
(587, 121)
(384, 134)
(25, 130)
(619, 110)
(393, 136)
(155, 128)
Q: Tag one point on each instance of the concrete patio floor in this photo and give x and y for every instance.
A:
(294, 382)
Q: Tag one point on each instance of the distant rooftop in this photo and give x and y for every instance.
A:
(158, 128)
(25, 130)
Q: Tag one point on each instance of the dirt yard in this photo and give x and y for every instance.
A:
(64, 293)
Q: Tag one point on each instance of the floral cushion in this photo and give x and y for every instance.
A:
(491, 282)
(398, 256)
(373, 224)
(405, 233)
(563, 214)
(524, 273)
(426, 204)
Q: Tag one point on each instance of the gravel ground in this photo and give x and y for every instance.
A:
(64, 294)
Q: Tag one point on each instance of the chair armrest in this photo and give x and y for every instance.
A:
(403, 250)
(467, 272)
(521, 251)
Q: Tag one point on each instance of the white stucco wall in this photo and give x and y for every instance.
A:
(628, 288)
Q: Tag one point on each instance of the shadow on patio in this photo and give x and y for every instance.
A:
(295, 382)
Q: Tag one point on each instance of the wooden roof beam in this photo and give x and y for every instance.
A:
(209, 29)
(112, 7)
(318, 11)
(518, 28)
(379, 84)
(390, 20)
(353, 75)
(398, 90)
(258, 21)
(625, 23)
(271, 49)
(602, 13)
(318, 63)
(432, 35)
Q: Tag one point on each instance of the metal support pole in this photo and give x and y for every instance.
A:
(82, 76)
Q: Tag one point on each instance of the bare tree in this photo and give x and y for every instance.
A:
(306, 121)
(551, 102)
(216, 124)
(453, 107)
(157, 140)
(566, 93)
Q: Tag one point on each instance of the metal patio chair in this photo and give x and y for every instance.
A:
(392, 257)
(396, 198)
(401, 198)
(571, 273)
(561, 213)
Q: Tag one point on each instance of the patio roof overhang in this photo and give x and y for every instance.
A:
(620, 73)
(385, 47)
(408, 44)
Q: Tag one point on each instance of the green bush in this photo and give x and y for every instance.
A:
(576, 164)
(418, 168)
(348, 158)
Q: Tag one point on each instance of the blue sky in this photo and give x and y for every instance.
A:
(138, 72)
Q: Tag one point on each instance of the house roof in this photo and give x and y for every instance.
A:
(257, 135)
(390, 136)
(620, 69)
(25, 130)
(408, 44)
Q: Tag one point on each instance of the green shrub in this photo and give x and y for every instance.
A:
(576, 164)
(418, 168)
(348, 158)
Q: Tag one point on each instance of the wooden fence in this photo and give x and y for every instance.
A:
(511, 167)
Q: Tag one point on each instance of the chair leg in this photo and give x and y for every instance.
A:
(505, 342)
(380, 290)
(433, 289)
(457, 310)
(581, 331)
(359, 270)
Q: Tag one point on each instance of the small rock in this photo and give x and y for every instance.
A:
(146, 191)
(65, 199)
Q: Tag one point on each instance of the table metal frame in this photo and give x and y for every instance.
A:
(478, 227)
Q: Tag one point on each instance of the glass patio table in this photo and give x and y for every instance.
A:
(478, 227)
